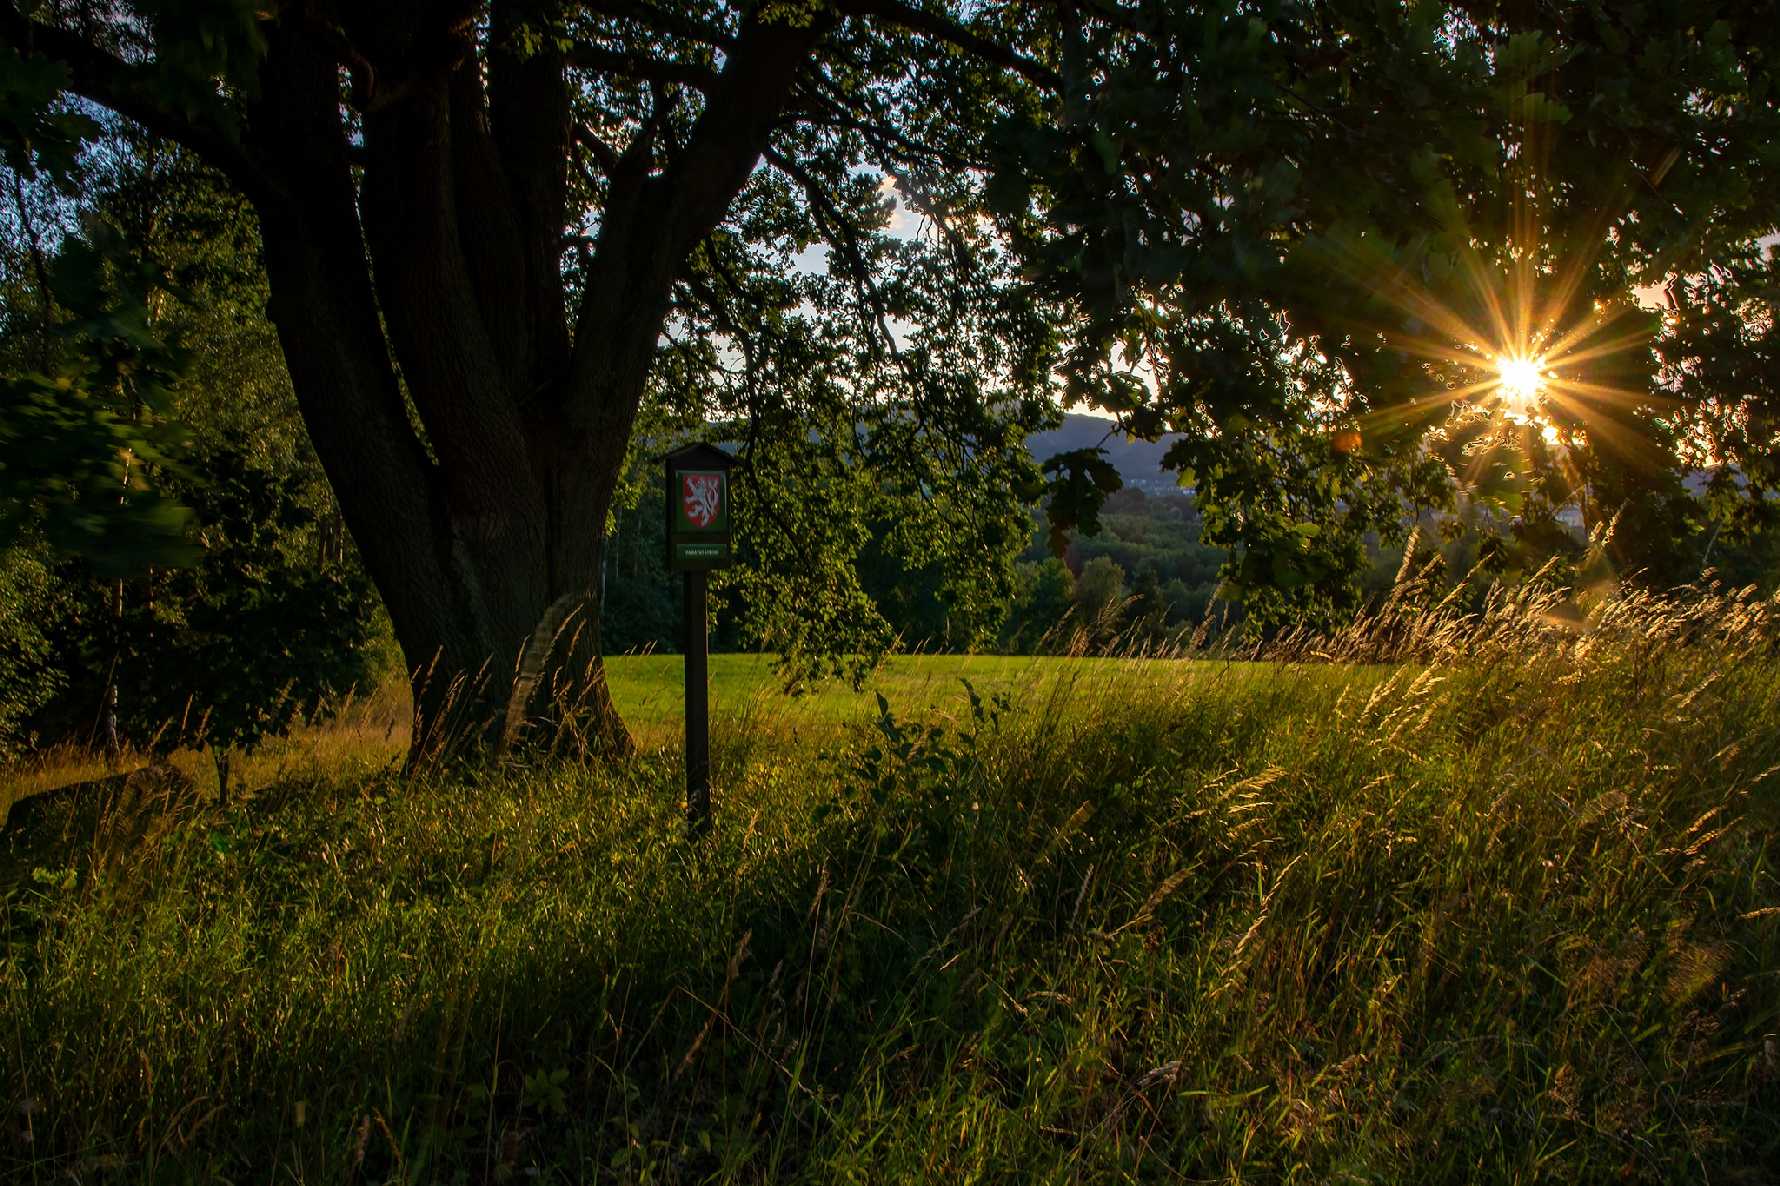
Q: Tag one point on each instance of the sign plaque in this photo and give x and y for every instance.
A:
(698, 509)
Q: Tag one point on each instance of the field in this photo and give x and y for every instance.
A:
(1505, 909)
(747, 697)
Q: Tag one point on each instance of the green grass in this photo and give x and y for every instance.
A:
(1505, 913)
(748, 695)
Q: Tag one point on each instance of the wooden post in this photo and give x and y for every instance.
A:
(698, 541)
(698, 710)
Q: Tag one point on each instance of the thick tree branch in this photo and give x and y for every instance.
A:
(734, 129)
(426, 287)
(490, 225)
(327, 320)
(661, 21)
(604, 153)
(134, 91)
(528, 110)
(629, 170)
(943, 28)
(602, 60)
(643, 242)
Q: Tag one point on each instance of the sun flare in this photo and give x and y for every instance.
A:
(1522, 382)
(1512, 336)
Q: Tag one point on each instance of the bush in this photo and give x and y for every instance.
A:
(28, 677)
(238, 646)
(256, 636)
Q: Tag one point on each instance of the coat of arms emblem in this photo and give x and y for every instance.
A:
(701, 498)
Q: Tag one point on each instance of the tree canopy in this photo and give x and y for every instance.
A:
(1277, 224)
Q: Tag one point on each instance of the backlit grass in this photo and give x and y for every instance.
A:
(747, 697)
(1505, 912)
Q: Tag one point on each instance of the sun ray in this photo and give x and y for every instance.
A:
(1390, 282)
(1606, 429)
(1437, 351)
(1598, 321)
(1580, 253)
(1609, 348)
(1605, 394)
(1402, 413)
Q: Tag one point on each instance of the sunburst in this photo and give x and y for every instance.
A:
(1520, 386)
(1505, 319)
(1533, 353)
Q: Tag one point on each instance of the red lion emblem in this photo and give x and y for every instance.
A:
(702, 498)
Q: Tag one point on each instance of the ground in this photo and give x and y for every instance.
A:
(1508, 912)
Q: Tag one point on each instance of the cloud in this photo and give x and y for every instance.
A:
(904, 222)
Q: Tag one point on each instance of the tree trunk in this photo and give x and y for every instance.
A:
(524, 670)
(491, 580)
(483, 538)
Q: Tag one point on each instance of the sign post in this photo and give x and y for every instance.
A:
(698, 541)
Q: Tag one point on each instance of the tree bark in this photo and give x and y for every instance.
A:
(483, 537)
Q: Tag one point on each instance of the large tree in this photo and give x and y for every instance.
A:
(486, 227)
(494, 231)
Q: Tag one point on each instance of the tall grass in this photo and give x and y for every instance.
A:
(1493, 900)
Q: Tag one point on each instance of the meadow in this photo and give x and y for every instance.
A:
(748, 697)
(1438, 900)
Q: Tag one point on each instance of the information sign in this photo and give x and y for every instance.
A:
(698, 509)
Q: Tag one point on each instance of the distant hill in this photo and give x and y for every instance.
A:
(1139, 462)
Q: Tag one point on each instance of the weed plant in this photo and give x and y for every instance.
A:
(1493, 898)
